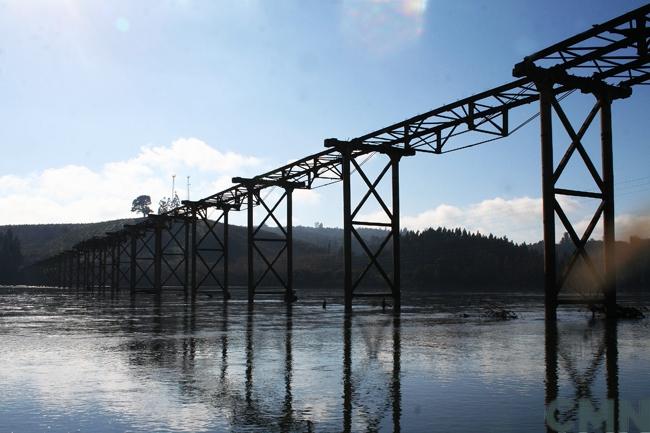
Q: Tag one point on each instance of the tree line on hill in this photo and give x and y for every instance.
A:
(432, 259)
(11, 258)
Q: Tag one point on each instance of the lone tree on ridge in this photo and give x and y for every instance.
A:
(141, 204)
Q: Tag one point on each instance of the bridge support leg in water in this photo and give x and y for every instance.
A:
(389, 222)
(208, 248)
(268, 249)
(603, 272)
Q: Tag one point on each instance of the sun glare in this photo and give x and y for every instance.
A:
(383, 25)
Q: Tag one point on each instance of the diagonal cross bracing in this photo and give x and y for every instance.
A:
(209, 248)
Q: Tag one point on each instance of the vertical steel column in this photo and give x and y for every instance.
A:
(133, 261)
(78, 269)
(118, 264)
(548, 199)
(157, 258)
(71, 274)
(290, 295)
(115, 263)
(102, 268)
(93, 273)
(71, 277)
(226, 289)
(395, 227)
(608, 204)
(86, 268)
(89, 269)
(251, 276)
(62, 270)
(186, 259)
(59, 271)
(193, 287)
(68, 269)
(347, 227)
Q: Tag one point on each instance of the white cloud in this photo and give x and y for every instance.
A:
(75, 193)
(306, 196)
(519, 218)
(11, 183)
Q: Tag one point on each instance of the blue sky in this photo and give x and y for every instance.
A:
(105, 100)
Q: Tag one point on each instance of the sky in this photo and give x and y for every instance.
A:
(107, 100)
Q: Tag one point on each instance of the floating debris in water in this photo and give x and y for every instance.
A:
(493, 311)
(628, 312)
(622, 312)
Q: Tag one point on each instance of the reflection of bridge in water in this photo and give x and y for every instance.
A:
(249, 372)
(369, 378)
(184, 248)
(593, 344)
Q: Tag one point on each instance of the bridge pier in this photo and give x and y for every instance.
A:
(63, 259)
(549, 84)
(172, 250)
(60, 271)
(206, 250)
(103, 264)
(72, 263)
(144, 245)
(123, 260)
(115, 263)
(133, 261)
(78, 255)
(351, 225)
(157, 255)
(187, 253)
(93, 268)
(255, 242)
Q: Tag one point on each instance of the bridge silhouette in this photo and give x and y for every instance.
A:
(184, 247)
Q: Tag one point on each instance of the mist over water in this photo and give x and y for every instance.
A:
(81, 362)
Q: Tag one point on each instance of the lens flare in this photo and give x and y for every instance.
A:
(383, 26)
(122, 24)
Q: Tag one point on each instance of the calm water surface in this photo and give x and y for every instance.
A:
(75, 362)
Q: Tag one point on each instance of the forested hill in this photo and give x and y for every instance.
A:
(433, 258)
(39, 241)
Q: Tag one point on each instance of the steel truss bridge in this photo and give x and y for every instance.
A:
(606, 62)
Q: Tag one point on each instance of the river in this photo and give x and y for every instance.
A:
(77, 362)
